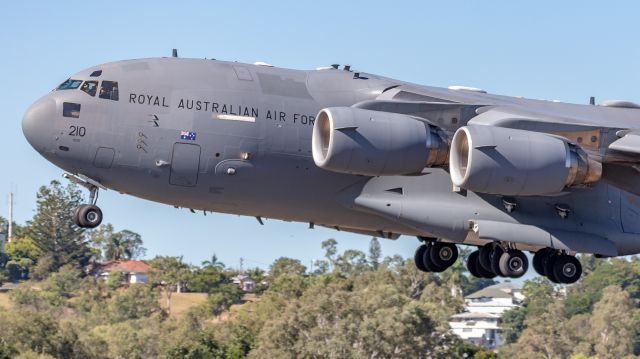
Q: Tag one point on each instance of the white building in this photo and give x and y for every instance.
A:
(244, 282)
(494, 299)
(480, 323)
(133, 271)
(477, 328)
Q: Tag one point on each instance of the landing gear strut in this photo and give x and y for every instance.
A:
(435, 256)
(87, 215)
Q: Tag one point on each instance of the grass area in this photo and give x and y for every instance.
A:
(4, 301)
(181, 302)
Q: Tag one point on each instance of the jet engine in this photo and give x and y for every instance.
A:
(373, 143)
(506, 161)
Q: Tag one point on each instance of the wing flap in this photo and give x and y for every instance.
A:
(629, 143)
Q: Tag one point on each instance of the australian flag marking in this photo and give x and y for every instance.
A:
(187, 135)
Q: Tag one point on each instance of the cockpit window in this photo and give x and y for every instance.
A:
(90, 87)
(70, 84)
(70, 109)
(109, 90)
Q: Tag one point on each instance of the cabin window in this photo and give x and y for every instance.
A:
(70, 109)
(70, 84)
(109, 90)
(90, 87)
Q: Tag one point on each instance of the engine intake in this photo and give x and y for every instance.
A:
(374, 143)
(507, 161)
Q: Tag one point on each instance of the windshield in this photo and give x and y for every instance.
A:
(70, 84)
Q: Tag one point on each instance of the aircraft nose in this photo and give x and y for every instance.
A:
(37, 123)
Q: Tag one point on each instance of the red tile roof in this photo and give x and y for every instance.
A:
(127, 266)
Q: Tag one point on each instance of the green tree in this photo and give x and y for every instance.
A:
(22, 254)
(171, 273)
(339, 318)
(621, 272)
(214, 262)
(330, 247)
(222, 297)
(613, 324)
(53, 230)
(206, 279)
(136, 302)
(538, 293)
(288, 266)
(375, 253)
(124, 244)
(545, 335)
(351, 261)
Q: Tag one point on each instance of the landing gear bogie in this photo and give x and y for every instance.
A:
(435, 256)
(558, 267)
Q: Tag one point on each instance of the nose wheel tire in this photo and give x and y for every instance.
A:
(513, 263)
(88, 216)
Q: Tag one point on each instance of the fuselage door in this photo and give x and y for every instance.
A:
(185, 163)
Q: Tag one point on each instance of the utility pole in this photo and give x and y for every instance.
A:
(10, 232)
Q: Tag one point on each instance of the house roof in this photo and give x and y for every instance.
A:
(127, 266)
(475, 315)
(493, 291)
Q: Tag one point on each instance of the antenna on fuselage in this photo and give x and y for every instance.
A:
(174, 53)
(592, 100)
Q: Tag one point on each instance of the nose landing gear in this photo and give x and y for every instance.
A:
(87, 215)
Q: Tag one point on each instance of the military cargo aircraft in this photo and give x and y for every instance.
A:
(356, 152)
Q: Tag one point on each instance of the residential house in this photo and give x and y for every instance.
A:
(134, 271)
(480, 322)
(244, 282)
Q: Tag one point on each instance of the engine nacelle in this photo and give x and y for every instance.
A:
(373, 143)
(506, 161)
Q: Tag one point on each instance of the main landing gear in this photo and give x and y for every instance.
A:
(87, 215)
(498, 259)
(493, 260)
(435, 256)
(558, 267)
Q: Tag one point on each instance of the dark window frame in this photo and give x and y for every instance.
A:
(109, 90)
(71, 109)
(91, 92)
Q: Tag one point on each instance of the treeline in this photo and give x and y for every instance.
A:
(598, 317)
(351, 304)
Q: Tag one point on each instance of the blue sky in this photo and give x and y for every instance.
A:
(566, 51)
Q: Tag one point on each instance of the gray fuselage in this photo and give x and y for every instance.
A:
(236, 138)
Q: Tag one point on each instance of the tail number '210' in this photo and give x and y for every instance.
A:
(77, 131)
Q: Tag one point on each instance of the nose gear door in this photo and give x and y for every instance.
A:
(185, 163)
